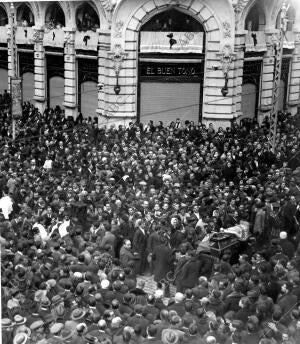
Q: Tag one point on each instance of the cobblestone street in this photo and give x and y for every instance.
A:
(150, 285)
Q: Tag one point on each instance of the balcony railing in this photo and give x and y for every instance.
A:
(171, 42)
(256, 41)
(24, 35)
(3, 34)
(54, 38)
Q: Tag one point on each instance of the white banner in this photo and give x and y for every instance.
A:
(54, 38)
(289, 40)
(86, 40)
(3, 34)
(24, 35)
(171, 42)
(256, 41)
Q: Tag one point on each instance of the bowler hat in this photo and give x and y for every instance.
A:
(77, 314)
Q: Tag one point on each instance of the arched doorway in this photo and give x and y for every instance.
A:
(171, 67)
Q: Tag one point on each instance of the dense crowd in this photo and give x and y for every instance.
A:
(88, 211)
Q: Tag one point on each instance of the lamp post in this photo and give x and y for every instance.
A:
(15, 82)
(118, 56)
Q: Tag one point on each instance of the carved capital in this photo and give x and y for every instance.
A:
(38, 35)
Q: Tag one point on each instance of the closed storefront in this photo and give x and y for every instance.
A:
(251, 88)
(87, 87)
(55, 80)
(170, 91)
(3, 71)
(171, 68)
(26, 65)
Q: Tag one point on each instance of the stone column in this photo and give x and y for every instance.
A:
(39, 69)
(239, 45)
(294, 86)
(103, 48)
(268, 74)
(70, 96)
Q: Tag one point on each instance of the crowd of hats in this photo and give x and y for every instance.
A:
(70, 289)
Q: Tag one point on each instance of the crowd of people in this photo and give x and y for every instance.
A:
(88, 212)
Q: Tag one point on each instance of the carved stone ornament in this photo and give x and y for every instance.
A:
(227, 29)
(239, 5)
(37, 36)
(68, 38)
(119, 28)
(226, 58)
(118, 56)
(109, 5)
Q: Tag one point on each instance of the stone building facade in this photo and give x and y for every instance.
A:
(122, 60)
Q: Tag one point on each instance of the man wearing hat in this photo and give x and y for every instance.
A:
(55, 333)
(21, 338)
(7, 331)
(37, 330)
(77, 316)
(169, 336)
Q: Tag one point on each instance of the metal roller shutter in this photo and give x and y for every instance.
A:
(3, 80)
(167, 101)
(28, 86)
(248, 100)
(89, 101)
(56, 85)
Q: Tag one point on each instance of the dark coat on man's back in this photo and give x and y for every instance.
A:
(162, 262)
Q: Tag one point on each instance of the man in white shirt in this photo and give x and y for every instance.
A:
(6, 205)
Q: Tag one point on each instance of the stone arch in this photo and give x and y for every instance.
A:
(22, 6)
(128, 18)
(148, 9)
(247, 10)
(5, 11)
(88, 3)
(99, 9)
(59, 4)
